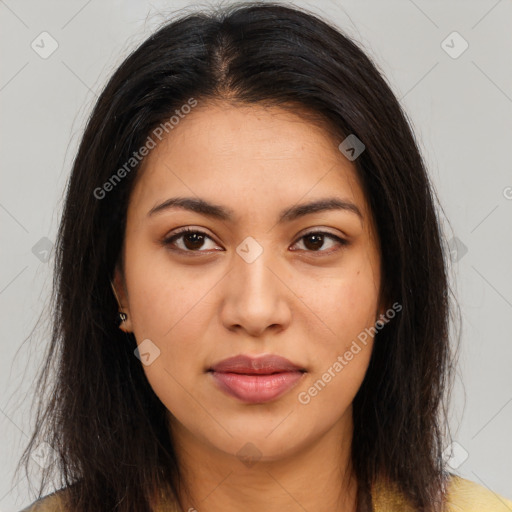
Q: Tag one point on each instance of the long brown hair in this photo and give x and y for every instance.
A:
(102, 418)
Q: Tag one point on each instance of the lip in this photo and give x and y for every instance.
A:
(256, 379)
(266, 364)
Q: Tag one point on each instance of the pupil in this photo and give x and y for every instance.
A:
(196, 240)
(316, 245)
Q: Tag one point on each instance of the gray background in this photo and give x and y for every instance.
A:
(461, 109)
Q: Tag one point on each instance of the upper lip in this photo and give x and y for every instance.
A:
(246, 364)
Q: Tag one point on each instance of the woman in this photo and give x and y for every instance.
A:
(249, 201)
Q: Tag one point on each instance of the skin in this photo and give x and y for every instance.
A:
(305, 304)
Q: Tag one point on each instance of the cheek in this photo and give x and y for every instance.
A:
(172, 307)
(344, 303)
(164, 298)
(357, 306)
(171, 311)
(328, 394)
(342, 353)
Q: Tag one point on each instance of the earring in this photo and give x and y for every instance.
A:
(121, 315)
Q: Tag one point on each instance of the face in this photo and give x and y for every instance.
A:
(265, 279)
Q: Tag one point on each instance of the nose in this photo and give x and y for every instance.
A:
(256, 297)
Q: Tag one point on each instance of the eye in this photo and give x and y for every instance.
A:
(316, 239)
(192, 239)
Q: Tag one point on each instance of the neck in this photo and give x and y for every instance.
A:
(317, 476)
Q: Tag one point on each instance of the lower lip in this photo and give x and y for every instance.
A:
(256, 388)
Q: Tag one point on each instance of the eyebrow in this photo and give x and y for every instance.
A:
(223, 213)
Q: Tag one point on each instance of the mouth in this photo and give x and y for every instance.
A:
(256, 380)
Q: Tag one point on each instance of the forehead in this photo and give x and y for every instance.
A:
(253, 153)
(251, 132)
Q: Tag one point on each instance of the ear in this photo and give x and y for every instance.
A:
(121, 296)
(381, 317)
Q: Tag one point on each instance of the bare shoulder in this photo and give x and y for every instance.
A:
(51, 503)
(467, 496)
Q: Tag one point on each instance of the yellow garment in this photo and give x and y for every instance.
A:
(463, 496)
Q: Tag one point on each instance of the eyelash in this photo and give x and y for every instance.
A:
(170, 240)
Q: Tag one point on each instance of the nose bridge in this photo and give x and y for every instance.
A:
(251, 268)
(255, 297)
